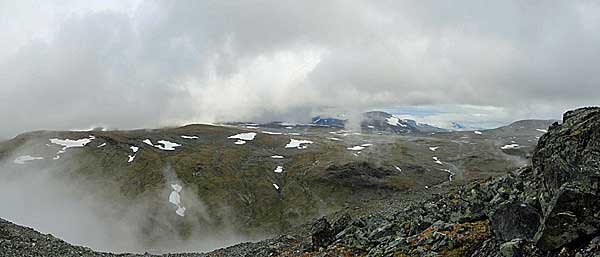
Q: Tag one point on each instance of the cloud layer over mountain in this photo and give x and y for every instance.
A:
(152, 63)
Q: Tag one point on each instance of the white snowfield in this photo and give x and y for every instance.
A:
(477, 132)
(162, 144)
(436, 160)
(275, 186)
(102, 145)
(542, 130)
(279, 169)
(300, 144)
(244, 136)
(175, 199)
(394, 121)
(277, 156)
(366, 145)
(26, 158)
(239, 142)
(189, 137)
(69, 143)
(398, 168)
(433, 148)
(166, 145)
(510, 146)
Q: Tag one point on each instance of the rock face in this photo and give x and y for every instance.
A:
(572, 214)
(565, 160)
(569, 152)
(515, 220)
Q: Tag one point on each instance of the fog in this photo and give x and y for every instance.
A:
(78, 209)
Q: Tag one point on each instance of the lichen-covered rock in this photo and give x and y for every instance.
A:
(321, 233)
(569, 152)
(572, 214)
(512, 248)
(515, 220)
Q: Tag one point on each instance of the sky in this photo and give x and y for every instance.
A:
(133, 64)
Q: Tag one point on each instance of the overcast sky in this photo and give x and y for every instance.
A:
(129, 64)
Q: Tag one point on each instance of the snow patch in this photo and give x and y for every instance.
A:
(451, 174)
(477, 132)
(271, 133)
(166, 145)
(300, 144)
(180, 211)
(433, 148)
(334, 138)
(398, 168)
(189, 137)
(26, 158)
(69, 143)
(510, 146)
(356, 148)
(243, 137)
(277, 157)
(542, 130)
(394, 121)
(279, 169)
(275, 186)
(436, 160)
(176, 187)
(102, 145)
(148, 142)
(175, 199)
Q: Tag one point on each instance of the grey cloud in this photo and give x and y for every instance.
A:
(176, 62)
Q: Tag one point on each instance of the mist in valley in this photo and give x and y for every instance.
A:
(51, 199)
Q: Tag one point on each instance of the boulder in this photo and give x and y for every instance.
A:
(572, 214)
(341, 223)
(321, 233)
(515, 220)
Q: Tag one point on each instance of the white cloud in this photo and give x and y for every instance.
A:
(152, 63)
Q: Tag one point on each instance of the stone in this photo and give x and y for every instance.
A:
(321, 234)
(515, 220)
(571, 215)
(512, 248)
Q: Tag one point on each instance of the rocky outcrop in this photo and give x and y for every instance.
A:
(566, 161)
(569, 153)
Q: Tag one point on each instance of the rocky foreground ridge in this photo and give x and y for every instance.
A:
(551, 208)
